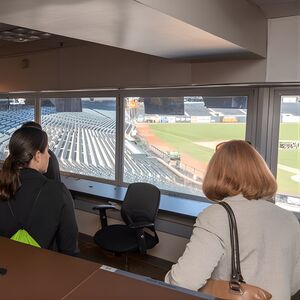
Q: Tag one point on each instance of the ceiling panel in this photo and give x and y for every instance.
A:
(125, 24)
(278, 8)
(9, 48)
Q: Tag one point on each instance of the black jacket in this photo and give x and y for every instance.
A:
(52, 223)
(53, 167)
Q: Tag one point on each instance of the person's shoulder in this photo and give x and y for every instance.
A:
(59, 188)
(213, 215)
(54, 185)
(212, 210)
(279, 210)
(290, 215)
(280, 214)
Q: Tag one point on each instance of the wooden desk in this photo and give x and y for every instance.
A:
(119, 285)
(39, 274)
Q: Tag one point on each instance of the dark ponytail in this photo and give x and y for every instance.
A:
(9, 179)
(23, 145)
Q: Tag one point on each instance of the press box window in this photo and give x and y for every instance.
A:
(82, 134)
(170, 140)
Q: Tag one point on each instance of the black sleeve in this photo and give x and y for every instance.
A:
(53, 168)
(67, 234)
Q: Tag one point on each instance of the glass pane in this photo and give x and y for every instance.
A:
(82, 134)
(169, 141)
(13, 113)
(288, 169)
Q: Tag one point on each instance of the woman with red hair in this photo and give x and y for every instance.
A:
(269, 236)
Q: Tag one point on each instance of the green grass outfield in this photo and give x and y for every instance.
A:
(182, 137)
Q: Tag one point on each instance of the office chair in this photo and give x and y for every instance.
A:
(138, 211)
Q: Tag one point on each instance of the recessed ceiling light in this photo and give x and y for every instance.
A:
(7, 33)
(33, 37)
(19, 30)
(21, 35)
(34, 32)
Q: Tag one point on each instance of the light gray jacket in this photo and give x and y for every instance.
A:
(269, 240)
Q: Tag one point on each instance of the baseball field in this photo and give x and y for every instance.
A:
(196, 144)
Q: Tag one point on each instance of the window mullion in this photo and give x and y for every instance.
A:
(119, 157)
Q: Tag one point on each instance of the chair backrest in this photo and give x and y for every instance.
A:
(141, 203)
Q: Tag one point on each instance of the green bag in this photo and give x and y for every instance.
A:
(22, 234)
(24, 237)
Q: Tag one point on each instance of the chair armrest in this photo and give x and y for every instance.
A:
(116, 205)
(104, 207)
(138, 225)
(102, 212)
(139, 228)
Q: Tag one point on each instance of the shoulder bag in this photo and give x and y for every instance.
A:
(236, 288)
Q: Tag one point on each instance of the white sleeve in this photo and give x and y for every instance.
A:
(200, 257)
(296, 277)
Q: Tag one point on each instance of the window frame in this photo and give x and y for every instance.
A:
(253, 114)
(82, 94)
(277, 93)
(195, 91)
(272, 158)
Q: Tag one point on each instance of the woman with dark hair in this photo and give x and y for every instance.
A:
(53, 165)
(28, 197)
(269, 236)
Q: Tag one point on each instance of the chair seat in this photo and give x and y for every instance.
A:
(120, 239)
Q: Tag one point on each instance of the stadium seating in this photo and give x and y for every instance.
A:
(84, 142)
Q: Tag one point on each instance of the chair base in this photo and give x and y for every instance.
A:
(121, 239)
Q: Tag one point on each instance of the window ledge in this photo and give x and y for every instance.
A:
(109, 192)
(168, 203)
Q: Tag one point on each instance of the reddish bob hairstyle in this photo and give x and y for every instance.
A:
(237, 168)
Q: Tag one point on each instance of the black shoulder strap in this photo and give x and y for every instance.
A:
(20, 225)
(236, 274)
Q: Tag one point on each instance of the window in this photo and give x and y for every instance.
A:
(82, 134)
(13, 113)
(288, 168)
(170, 140)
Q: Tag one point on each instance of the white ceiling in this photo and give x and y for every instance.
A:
(278, 8)
(126, 24)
